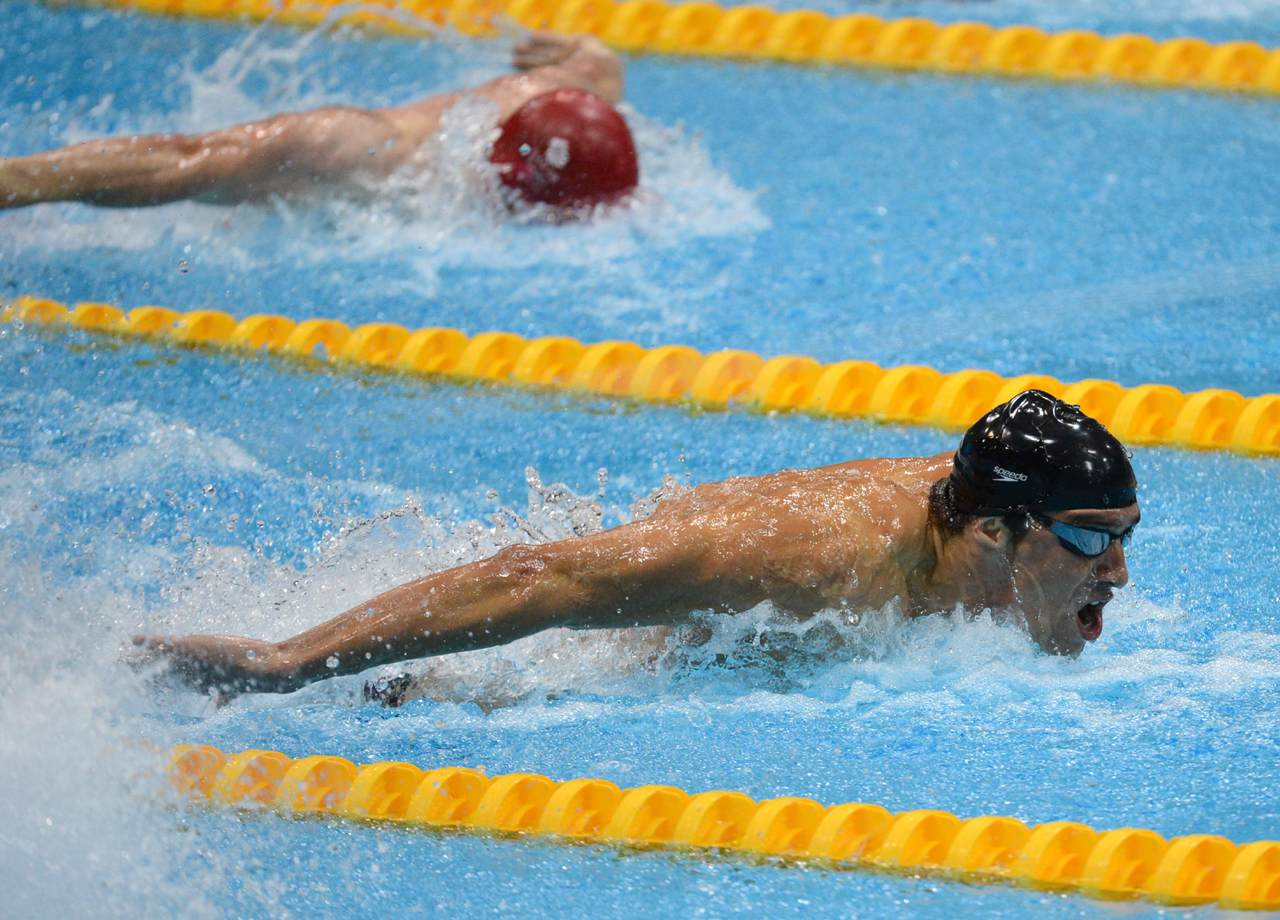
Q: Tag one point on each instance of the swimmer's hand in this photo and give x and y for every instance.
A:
(23, 182)
(572, 60)
(226, 665)
(546, 49)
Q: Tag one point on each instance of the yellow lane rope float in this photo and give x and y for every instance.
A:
(1151, 414)
(799, 36)
(1060, 855)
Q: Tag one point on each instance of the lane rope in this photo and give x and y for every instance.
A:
(1059, 855)
(1148, 415)
(796, 36)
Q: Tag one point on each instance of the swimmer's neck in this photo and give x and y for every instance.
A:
(964, 570)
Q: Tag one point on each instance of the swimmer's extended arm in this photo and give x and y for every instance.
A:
(640, 574)
(231, 164)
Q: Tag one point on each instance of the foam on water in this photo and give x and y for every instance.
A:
(76, 841)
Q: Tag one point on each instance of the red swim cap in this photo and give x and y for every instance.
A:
(568, 148)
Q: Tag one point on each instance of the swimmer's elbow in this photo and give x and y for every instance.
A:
(636, 573)
(281, 667)
(340, 141)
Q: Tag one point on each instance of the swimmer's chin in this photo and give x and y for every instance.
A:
(1062, 648)
(1063, 643)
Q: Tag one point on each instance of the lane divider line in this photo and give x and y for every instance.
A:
(1125, 863)
(757, 32)
(1146, 415)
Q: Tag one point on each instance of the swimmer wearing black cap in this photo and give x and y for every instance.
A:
(561, 143)
(1028, 519)
(1039, 466)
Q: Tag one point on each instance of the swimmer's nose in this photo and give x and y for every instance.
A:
(1111, 566)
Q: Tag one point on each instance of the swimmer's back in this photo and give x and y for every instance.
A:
(835, 535)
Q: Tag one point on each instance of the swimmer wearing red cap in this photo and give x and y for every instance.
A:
(1028, 519)
(561, 143)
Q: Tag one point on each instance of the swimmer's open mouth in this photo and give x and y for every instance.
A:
(1090, 620)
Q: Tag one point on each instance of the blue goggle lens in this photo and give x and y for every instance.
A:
(1083, 541)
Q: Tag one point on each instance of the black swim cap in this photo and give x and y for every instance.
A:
(1036, 453)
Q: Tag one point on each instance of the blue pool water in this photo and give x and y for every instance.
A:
(1074, 231)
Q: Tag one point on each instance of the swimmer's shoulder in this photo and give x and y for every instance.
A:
(881, 496)
(886, 478)
(906, 472)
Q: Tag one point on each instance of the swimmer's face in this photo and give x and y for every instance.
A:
(1062, 594)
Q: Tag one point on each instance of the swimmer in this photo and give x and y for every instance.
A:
(1028, 518)
(561, 143)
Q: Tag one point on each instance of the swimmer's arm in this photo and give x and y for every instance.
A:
(572, 60)
(637, 575)
(245, 161)
(545, 61)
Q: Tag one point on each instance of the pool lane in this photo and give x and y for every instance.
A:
(158, 488)
(1018, 226)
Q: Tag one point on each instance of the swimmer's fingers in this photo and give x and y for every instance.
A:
(544, 49)
(181, 668)
(146, 650)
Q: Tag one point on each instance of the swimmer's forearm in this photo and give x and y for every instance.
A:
(521, 591)
(29, 180)
(121, 172)
(244, 161)
(582, 61)
(19, 188)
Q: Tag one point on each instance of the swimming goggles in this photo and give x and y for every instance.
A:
(1083, 541)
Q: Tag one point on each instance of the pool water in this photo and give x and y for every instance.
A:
(1076, 231)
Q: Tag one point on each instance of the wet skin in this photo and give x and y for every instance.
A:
(1061, 594)
(855, 536)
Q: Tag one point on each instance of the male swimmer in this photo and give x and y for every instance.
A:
(561, 143)
(1029, 517)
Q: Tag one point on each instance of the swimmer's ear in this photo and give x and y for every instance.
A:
(993, 534)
